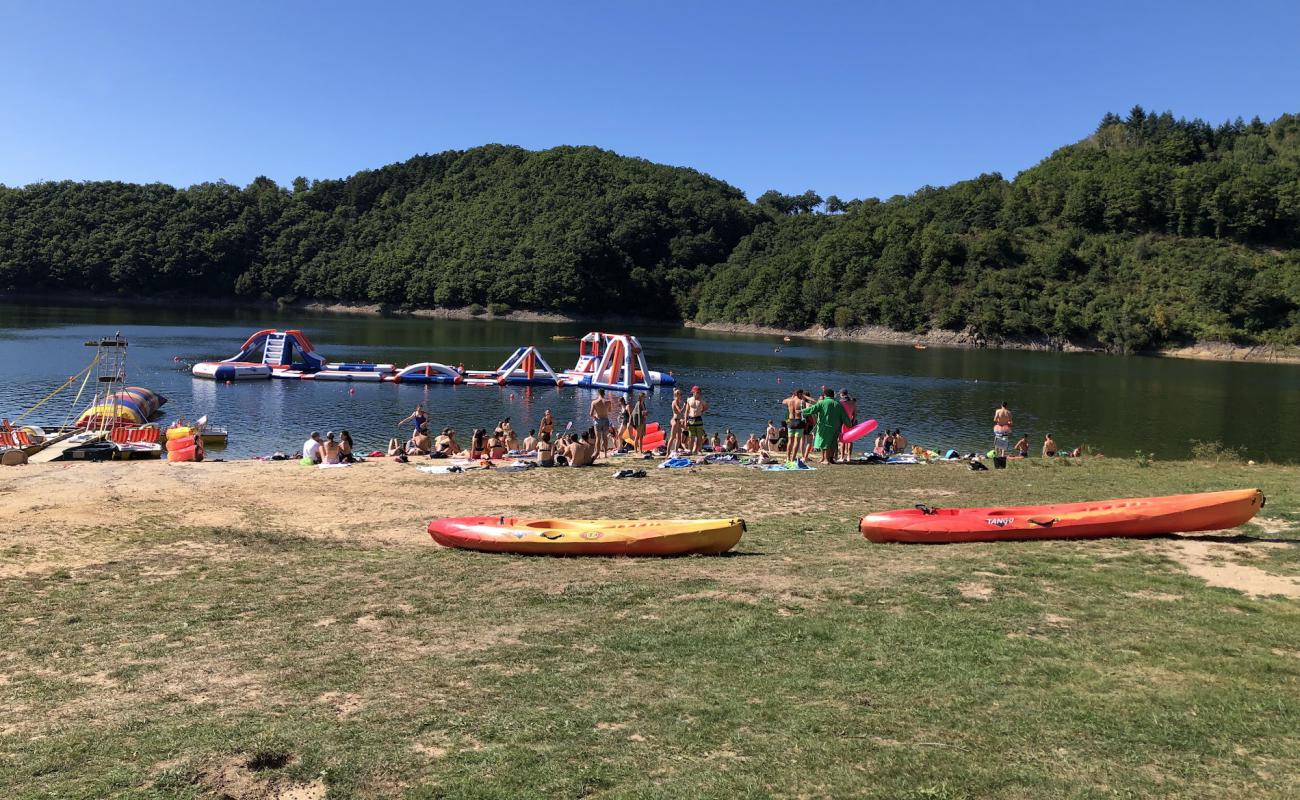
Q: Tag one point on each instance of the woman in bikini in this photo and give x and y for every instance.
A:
(677, 427)
(547, 425)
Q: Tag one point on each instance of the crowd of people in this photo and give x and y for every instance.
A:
(809, 425)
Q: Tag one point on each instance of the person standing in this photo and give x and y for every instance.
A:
(696, 406)
(637, 423)
(599, 413)
(1001, 429)
(677, 428)
(851, 410)
(417, 418)
(830, 418)
(794, 406)
(547, 425)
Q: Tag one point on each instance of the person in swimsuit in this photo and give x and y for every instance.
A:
(1001, 429)
(530, 442)
(417, 418)
(345, 448)
(420, 444)
(696, 406)
(900, 442)
(599, 413)
(851, 408)
(752, 445)
(677, 426)
(794, 405)
(1022, 446)
(496, 445)
(636, 422)
(545, 456)
(329, 450)
(478, 444)
(1049, 447)
(547, 425)
(508, 431)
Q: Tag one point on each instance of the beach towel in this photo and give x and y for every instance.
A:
(675, 463)
(790, 466)
(331, 466)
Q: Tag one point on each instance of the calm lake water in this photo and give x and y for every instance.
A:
(939, 397)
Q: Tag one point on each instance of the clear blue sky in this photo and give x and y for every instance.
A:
(855, 99)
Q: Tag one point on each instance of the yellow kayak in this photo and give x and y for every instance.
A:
(589, 537)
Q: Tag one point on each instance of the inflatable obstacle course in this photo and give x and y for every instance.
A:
(612, 361)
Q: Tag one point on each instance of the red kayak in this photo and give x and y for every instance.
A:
(1138, 516)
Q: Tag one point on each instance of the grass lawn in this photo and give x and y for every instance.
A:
(259, 660)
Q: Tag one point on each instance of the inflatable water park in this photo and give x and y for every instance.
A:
(614, 361)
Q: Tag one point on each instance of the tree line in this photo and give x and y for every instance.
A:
(1152, 230)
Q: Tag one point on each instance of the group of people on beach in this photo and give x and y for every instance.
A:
(810, 424)
(327, 450)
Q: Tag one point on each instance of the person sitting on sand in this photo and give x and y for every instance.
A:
(830, 421)
(730, 445)
(420, 444)
(511, 439)
(311, 447)
(497, 445)
(752, 444)
(329, 450)
(445, 444)
(530, 441)
(878, 447)
(1049, 446)
(583, 451)
(1022, 446)
(477, 444)
(900, 442)
(545, 454)
(395, 448)
(345, 448)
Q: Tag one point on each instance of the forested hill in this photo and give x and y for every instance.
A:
(1152, 230)
(568, 229)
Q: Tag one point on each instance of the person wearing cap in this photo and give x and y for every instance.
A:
(696, 406)
(329, 450)
(311, 447)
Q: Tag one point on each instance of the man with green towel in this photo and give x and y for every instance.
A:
(831, 419)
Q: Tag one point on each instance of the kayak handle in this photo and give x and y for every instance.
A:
(926, 510)
(1046, 523)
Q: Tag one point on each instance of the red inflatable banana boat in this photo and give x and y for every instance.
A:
(1138, 516)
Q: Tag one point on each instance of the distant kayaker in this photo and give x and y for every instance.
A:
(1001, 429)
(830, 421)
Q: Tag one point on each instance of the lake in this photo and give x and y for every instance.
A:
(939, 397)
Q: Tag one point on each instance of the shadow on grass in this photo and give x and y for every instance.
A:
(1223, 538)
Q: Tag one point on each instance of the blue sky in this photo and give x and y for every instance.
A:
(855, 99)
